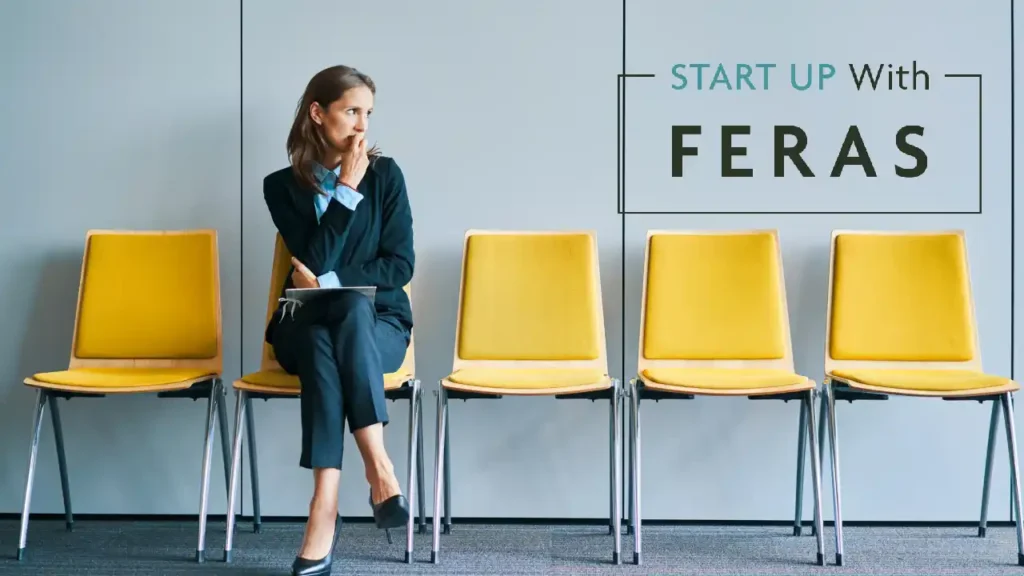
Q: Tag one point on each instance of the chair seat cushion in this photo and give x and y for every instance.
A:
(281, 382)
(270, 381)
(725, 380)
(925, 381)
(528, 380)
(111, 380)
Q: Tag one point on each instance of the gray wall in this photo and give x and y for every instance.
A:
(114, 114)
(128, 115)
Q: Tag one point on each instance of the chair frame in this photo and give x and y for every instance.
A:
(245, 425)
(209, 388)
(836, 389)
(641, 389)
(447, 390)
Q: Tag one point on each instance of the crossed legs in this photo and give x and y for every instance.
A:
(340, 350)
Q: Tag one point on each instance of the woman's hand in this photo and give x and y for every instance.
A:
(354, 163)
(302, 277)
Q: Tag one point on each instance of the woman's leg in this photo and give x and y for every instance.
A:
(366, 348)
(323, 512)
(305, 347)
(380, 472)
(340, 351)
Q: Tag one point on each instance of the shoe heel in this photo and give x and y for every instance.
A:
(392, 513)
(387, 532)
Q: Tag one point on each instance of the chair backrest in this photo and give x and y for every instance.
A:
(714, 299)
(149, 299)
(530, 299)
(280, 270)
(900, 300)
(281, 267)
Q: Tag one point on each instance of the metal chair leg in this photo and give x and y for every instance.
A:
(37, 424)
(439, 475)
(801, 448)
(627, 459)
(634, 420)
(204, 491)
(421, 485)
(242, 406)
(222, 429)
(447, 477)
(611, 469)
(413, 460)
(254, 476)
(822, 437)
(807, 418)
(834, 449)
(58, 437)
(1013, 514)
(986, 482)
(1011, 443)
(616, 464)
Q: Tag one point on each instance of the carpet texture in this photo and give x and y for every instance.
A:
(118, 548)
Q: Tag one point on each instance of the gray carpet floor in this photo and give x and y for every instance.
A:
(116, 548)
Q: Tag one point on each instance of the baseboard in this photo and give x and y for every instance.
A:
(518, 521)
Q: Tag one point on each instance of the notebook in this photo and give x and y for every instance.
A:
(303, 295)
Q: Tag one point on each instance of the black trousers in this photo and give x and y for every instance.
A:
(340, 350)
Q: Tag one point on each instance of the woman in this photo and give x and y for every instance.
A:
(344, 215)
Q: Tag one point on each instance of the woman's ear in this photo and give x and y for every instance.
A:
(316, 113)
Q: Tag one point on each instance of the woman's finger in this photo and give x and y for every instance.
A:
(300, 267)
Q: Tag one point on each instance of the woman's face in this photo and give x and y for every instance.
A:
(345, 118)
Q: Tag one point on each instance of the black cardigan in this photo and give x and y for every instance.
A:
(371, 246)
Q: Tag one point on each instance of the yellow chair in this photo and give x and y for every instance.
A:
(148, 320)
(901, 321)
(530, 323)
(271, 381)
(714, 321)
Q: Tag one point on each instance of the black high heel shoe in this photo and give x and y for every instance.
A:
(391, 513)
(306, 567)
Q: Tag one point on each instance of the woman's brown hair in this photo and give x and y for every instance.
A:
(306, 144)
